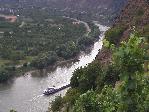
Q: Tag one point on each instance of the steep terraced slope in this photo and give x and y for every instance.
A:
(135, 15)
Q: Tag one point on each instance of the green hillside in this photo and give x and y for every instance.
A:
(117, 81)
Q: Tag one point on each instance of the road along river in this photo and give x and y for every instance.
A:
(24, 94)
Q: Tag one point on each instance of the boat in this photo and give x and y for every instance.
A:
(53, 90)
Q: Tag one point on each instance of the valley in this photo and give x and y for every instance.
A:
(39, 43)
(98, 47)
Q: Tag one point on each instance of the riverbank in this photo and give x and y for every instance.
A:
(27, 69)
(62, 53)
(25, 92)
(97, 84)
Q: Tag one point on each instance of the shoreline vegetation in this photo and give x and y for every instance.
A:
(88, 33)
(117, 81)
(96, 85)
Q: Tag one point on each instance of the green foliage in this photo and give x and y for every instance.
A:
(145, 32)
(57, 104)
(17, 55)
(67, 50)
(108, 100)
(85, 78)
(13, 111)
(94, 77)
(129, 56)
(144, 106)
(124, 86)
(85, 41)
(71, 95)
(113, 35)
(87, 103)
(36, 34)
(44, 60)
(5, 73)
(111, 75)
(106, 43)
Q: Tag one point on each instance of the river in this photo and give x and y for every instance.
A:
(24, 93)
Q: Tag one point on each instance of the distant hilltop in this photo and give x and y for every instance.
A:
(99, 10)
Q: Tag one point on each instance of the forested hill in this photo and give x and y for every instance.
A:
(117, 81)
(101, 10)
(94, 8)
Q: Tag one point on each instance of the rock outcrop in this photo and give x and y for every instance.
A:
(134, 15)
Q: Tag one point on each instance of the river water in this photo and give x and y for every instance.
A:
(24, 93)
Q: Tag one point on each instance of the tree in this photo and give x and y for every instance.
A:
(85, 78)
(5, 73)
(71, 95)
(130, 94)
(57, 104)
(111, 75)
(113, 35)
(108, 99)
(87, 102)
(129, 57)
(44, 60)
(13, 111)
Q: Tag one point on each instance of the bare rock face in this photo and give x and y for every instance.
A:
(135, 9)
(135, 14)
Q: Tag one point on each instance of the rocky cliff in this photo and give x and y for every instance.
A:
(135, 15)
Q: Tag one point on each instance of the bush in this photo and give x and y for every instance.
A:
(57, 104)
(114, 34)
(5, 74)
(145, 32)
(87, 103)
(13, 111)
(67, 50)
(85, 78)
(71, 96)
(111, 75)
(86, 41)
(44, 60)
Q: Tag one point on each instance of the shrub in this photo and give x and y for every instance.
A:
(5, 74)
(87, 103)
(140, 12)
(114, 34)
(57, 104)
(85, 78)
(13, 111)
(111, 75)
(44, 60)
(71, 96)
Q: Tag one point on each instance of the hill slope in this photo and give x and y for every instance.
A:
(101, 10)
(118, 84)
(134, 15)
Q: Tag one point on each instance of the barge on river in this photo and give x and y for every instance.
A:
(53, 90)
